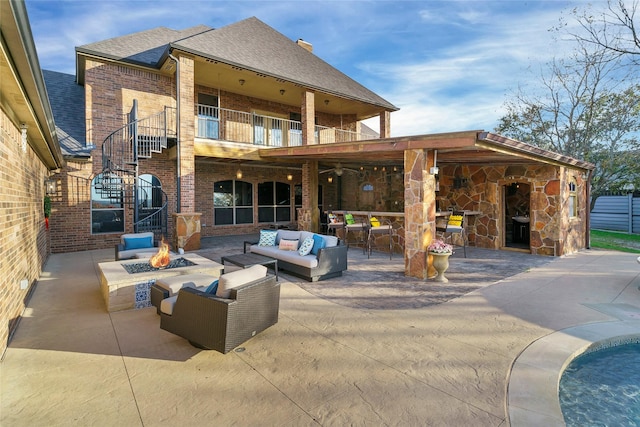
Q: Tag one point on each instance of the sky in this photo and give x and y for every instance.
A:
(448, 65)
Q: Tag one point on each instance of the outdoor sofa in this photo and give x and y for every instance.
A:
(244, 303)
(326, 257)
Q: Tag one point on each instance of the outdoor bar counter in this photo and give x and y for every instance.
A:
(397, 221)
(395, 218)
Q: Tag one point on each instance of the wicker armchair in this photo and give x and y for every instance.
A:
(213, 323)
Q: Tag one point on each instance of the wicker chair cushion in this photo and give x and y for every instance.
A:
(237, 278)
(166, 306)
(174, 283)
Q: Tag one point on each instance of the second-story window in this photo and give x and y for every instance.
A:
(208, 116)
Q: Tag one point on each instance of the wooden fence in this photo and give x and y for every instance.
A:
(617, 213)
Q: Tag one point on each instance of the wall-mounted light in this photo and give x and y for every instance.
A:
(326, 102)
(50, 186)
(330, 179)
(23, 137)
(239, 173)
(282, 91)
(289, 177)
(241, 81)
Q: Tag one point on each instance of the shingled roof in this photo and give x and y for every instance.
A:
(250, 44)
(67, 103)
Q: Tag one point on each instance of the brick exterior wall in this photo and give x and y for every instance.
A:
(24, 240)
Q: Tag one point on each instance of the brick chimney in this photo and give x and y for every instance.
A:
(305, 45)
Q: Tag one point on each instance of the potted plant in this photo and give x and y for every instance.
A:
(47, 210)
(440, 252)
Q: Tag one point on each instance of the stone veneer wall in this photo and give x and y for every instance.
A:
(552, 232)
(24, 240)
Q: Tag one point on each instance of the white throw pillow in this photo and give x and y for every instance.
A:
(237, 278)
(307, 245)
(288, 245)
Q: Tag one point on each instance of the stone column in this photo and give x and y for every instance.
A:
(311, 220)
(186, 228)
(419, 213)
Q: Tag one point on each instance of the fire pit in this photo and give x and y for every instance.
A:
(145, 267)
(125, 284)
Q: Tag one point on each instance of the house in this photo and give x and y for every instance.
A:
(237, 129)
(240, 128)
(29, 153)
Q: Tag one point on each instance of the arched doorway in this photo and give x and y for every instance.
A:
(517, 200)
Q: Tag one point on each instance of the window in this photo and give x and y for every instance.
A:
(208, 121)
(267, 129)
(274, 202)
(573, 199)
(149, 195)
(232, 203)
(107, 207)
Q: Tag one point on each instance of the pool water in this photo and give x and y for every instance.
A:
(602, 388)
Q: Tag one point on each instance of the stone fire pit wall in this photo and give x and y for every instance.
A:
(123, 291)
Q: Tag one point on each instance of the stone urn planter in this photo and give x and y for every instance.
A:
(441, 264)
(440, 253)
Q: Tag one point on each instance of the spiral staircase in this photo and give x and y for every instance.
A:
(120, 180)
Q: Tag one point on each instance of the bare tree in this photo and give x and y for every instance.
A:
(613, 29)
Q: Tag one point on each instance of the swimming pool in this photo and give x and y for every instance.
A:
(602, 388)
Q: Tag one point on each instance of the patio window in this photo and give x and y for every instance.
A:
(573, 199)
(107, 207)
(274, 202)
(232, 202)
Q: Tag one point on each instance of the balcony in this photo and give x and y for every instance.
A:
(239, 126)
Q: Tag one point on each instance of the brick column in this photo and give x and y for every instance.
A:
(187, 135)
(308, 118)
(419, 213)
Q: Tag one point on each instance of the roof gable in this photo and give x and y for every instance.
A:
(250, 44)
(143, 48)
(254, 45)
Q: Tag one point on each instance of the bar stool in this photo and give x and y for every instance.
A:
(360, 229)
(377, 227)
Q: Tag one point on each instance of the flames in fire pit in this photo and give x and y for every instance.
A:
(161, 259)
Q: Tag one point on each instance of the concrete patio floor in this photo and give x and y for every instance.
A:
(383, 350)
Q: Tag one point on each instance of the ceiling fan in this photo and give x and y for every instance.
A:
(339, 170)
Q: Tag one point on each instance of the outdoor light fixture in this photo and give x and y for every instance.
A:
(289, 177)
(330, 179)
(23, 137)
(239, 173)
(241, 81)
(326, 102)
(49, 186)
(282, 91)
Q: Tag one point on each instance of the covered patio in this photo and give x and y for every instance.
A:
(497, 178)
